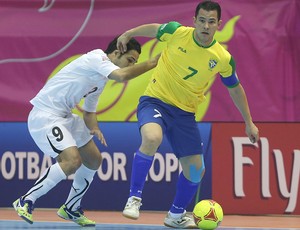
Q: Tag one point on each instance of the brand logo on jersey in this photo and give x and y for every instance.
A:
(163, 26)
(182, 49)
(212, 64)
(91, 91)
(158, 114)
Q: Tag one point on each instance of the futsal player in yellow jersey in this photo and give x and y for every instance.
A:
(186, 67)
(191, 58)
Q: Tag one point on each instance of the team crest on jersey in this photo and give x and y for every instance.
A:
(212, 64)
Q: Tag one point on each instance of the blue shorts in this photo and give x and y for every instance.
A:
(178, 126)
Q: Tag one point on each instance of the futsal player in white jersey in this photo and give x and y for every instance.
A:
(67, 137)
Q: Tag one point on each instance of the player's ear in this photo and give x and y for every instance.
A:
(194, 19)
(219, 23)
(117, 52)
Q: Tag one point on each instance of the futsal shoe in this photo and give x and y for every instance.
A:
(132, 208)
(24, 209)
(75, 216)
(183, 222)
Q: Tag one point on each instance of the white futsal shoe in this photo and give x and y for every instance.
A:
(183, 222)
(132, 208)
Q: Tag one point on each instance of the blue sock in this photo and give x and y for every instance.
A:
(185, 192)
(140, 168)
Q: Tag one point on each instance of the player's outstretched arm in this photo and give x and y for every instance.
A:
(239, 98)
(130, 72)
(146, 30)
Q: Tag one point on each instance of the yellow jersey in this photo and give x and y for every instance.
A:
(185, 68)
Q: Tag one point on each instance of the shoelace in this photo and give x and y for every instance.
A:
(30, 206)
(80, 210)
(137, 203)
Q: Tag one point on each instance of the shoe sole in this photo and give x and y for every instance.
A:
(62, 216)
(190, 227)
(23, 217)
(87, 225)
(130, 217)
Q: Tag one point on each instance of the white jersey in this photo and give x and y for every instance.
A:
(84, 77)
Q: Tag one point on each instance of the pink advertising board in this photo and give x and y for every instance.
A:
(263, 36)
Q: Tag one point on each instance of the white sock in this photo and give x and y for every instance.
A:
(48, 180)
(176, 215)
(82, 179)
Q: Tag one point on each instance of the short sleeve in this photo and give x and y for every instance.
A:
(166, 30)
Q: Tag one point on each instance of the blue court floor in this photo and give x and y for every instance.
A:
(13, 224)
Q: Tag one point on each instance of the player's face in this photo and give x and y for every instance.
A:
(206, 24)
(127, 59)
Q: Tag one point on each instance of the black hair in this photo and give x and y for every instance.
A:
(209, 6)
(133, 44)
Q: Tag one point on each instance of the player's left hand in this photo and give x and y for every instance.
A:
(252, 132)
(122, 41)
(99, 135)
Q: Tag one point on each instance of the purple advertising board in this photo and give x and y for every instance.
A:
(21, 163)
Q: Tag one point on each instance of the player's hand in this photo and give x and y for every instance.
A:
(157, 57)
(154, 60)
(122, 42)
(252, 132)
(99, 135)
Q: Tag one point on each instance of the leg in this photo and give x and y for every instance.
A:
(187, 185)
(188, 182)
(91, 160)
(53, 136)
(151, 139)
(57, 137)
(186, 142)
(69, 161)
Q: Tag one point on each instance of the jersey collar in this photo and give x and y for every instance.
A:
(211, 44)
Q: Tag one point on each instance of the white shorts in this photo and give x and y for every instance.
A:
(53, 134)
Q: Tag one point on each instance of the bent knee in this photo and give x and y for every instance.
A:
(196, 174)
(71, 165)
(92, 160)
(75, 163)
(96, 162)
(152, 141)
